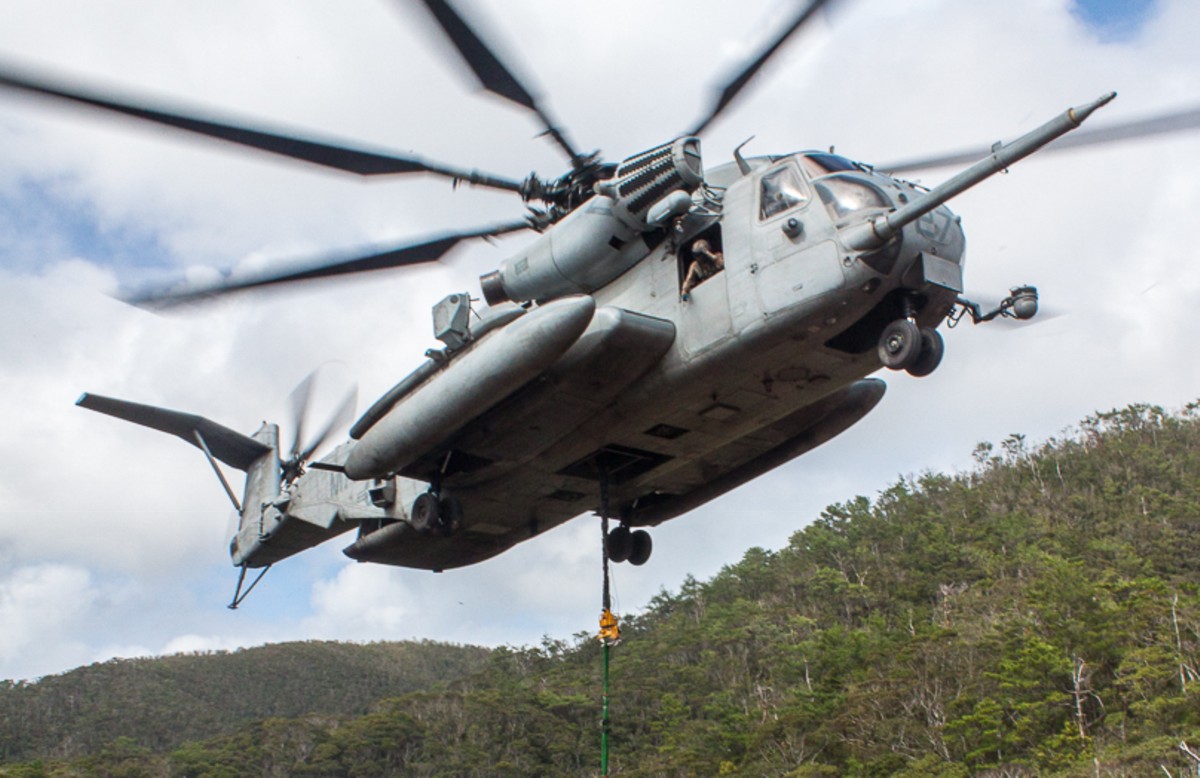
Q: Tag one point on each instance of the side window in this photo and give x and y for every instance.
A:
(700, 260)
(780, 190)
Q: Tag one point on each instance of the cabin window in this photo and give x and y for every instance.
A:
(780, 190)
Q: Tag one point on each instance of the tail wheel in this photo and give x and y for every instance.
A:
(620, 544)
(425, 512)
(932, 349)
(900, 345)
(640, 547)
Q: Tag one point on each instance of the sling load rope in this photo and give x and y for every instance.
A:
(609, 630)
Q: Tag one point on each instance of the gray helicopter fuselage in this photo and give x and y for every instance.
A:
(669, 335)
(671, 401)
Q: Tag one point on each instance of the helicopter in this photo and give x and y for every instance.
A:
(593, 373)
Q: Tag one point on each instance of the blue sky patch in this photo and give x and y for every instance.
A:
(39, 226)
(1114, 20)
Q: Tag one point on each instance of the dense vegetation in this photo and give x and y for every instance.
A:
(1037, 615)
(160, 703)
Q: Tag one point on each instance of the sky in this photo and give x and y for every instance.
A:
(113, 539)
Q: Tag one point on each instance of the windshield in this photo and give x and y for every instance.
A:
(780, 190)
(844, 195)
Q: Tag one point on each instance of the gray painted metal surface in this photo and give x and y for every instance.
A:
(672, 399)
(492, 370)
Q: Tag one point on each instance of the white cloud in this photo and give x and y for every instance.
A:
(132, 522)
(39, 606)
(362, 602)
(188, 644)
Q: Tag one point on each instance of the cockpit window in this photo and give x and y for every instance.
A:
(844, 195)
(781, 190)
(817, 165)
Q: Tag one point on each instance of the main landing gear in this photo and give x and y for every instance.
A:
(904, 346)
(439, 515)
(629, 546)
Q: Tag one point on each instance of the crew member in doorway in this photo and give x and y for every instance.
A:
(705, 263)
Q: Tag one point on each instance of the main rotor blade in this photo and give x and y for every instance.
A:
(492, 73)
(735, 85)
(1178, 121)
(371, 258)
(330, 155)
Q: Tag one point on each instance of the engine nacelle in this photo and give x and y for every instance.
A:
(602, 238)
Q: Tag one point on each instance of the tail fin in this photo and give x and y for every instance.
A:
(257, 516)
(258, 456)
(232, 448)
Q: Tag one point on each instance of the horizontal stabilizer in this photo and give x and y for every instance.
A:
(232, 448)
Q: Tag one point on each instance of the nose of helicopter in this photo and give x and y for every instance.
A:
(932, 252)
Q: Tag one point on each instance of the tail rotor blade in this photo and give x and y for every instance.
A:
(343, 416)
(298, 402)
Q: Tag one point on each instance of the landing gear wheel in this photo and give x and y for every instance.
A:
(425, 513)
(620, 544)
(900, 345)
(932, 349)
(640, 547)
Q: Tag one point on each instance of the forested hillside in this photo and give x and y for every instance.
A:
(160, 703)
(1036, 614)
